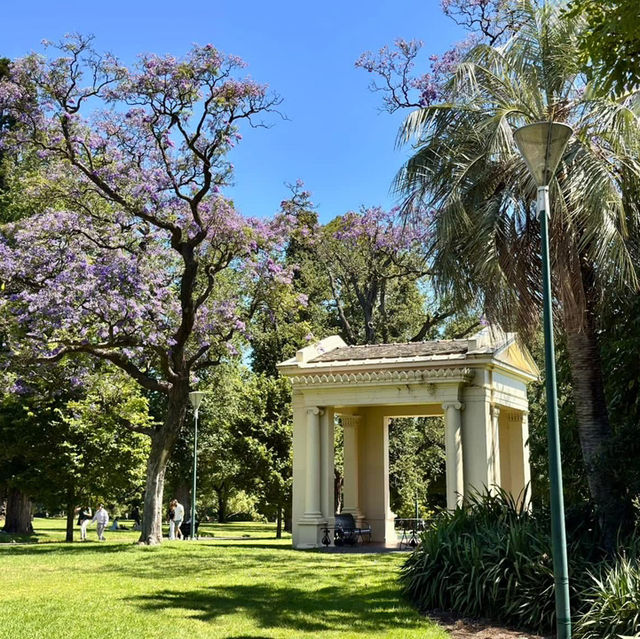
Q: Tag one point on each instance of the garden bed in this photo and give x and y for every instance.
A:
(463, 628)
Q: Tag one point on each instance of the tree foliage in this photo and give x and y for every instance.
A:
(64, 443)
(610, 43)
(416, 465)
(244, 445)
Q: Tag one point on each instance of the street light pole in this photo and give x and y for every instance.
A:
(542, 145)
(195, 398)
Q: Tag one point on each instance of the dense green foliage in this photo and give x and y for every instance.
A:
(610, 43)
(244, 446)
(416, 465)
(69, 437)
(614, 602)
(493, 559)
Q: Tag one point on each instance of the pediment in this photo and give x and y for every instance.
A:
(517, 355)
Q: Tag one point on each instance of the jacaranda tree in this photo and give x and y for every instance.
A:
(142, 261)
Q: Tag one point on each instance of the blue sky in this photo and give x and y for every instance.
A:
(335, 138)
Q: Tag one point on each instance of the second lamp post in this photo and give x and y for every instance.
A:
(196, 399)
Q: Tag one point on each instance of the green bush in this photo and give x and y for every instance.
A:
(493, 559)
(614, 602)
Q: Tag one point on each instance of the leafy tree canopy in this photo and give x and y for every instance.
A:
(610, 43)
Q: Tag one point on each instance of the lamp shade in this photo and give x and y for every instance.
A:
(542, 145)
(196, 399)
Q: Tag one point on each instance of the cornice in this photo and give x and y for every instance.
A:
(429, 376)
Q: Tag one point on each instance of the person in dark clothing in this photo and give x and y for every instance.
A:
(84, 517)
(135, 515)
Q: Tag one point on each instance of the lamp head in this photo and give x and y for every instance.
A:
(196, 399)
(542, 145)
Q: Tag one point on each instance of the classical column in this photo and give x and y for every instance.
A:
(312, 492)
(495, 448)
(327, 459)
(350, 488)
(453, 449)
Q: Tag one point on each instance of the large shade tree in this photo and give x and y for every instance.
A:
(365, 274)
(486, 239)
(63, 441)
(142, 262)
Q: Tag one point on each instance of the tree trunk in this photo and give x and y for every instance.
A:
(222, 505)
(70, 518)
(162, 442)
(288, 522)
(594, 430)
(18, 517)
(279, 522)
(338, 481)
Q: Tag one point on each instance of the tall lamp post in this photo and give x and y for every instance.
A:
(542, 145)
(195, 398)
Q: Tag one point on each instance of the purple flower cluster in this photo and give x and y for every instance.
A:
(383, 231)
(139, 179)
(401, 87)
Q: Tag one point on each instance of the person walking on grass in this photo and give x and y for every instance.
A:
(84, 518)
(178, 516)
(101, 518)
(170, 518)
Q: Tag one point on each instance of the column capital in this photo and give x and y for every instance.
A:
(350, 420)
(495, 410)
(315, 410)
(455, 405)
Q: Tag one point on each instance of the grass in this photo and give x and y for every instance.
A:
(246, 587)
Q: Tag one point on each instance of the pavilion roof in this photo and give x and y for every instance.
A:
(489, 345)
(394, 351)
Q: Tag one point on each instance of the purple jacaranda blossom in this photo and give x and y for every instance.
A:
(107, 279)
(402, 86)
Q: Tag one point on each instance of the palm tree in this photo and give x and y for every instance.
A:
(485, 232)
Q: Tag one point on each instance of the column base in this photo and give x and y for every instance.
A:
(309, 531)
(311, 518)
(383, 528)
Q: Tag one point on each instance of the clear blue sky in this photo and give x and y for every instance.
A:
(336, 140)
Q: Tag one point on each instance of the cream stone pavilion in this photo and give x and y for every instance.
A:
(479, 386)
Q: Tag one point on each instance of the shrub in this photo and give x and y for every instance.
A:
(614, 602)
(493, 559)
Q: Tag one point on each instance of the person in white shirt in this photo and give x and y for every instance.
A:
(178, 516)
(101, 518)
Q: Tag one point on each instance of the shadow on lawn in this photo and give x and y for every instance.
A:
(330, 608)
(244, 544)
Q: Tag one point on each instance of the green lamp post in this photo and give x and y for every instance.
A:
(542, 145)
(196, 399)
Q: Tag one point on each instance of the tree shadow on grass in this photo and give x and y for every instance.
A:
(61, 548)
(334, 608)
(243, 543)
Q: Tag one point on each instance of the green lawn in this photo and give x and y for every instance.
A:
(251, 586)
